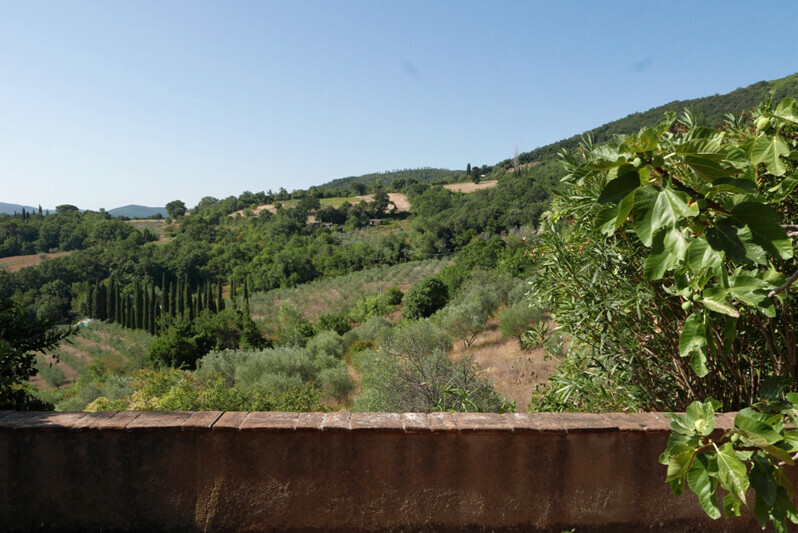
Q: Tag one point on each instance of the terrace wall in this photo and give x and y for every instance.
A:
(213, 471)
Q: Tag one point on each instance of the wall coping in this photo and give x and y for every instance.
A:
(342, 422)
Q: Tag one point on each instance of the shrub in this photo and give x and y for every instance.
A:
(369, 306)
(332, 322)
(410, 372)
(336, 383)
(424, 298)
(326, 343)
(375, 327)
(516, 320)
(393, 295)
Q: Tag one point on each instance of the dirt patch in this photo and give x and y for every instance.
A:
(70, 374)
(398, 198)
(18, 262)
(471, 187)
(513, 371)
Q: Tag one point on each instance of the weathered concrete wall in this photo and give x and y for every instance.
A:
(231, 471)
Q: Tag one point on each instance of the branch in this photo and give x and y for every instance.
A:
(785, 286)
(792, 229)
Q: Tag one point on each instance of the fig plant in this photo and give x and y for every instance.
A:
(711, 215)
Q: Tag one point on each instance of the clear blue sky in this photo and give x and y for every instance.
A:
(109, 103)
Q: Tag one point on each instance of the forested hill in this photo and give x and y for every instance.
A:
(710, 108)
(386, 179)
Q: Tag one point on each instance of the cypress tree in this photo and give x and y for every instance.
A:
(137, 307)
(90, 300)
(98, 299)
(246, 294)
(210, 302)
(180, 307)
(145, 323)
(164, 299)
(233, 292)
(219, 297)
(110, 305)
(173, 299)
(102, 301)
(118, 305)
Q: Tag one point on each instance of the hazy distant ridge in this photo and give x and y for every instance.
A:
(136, 211)
(10, 209)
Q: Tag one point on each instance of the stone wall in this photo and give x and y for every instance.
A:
(213, 471)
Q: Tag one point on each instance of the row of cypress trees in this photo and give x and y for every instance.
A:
(145, 305)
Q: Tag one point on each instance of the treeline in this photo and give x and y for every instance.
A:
(393, 179)
(65, 230)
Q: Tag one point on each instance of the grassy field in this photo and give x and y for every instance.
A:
(155, 226)
(94, 355)
(18, 262)
(339, 294)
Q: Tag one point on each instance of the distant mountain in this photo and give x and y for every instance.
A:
(136, 211)
(10, 209)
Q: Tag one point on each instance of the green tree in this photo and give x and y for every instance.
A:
(424, 298)
(176, 208)
(21, 336)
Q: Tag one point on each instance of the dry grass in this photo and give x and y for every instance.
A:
(18, 262)
(513, 371)
(398, 198)
(471, 187)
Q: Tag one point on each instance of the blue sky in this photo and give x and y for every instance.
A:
(104, 104)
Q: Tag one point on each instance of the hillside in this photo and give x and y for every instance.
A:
(386, 179)
(710, 108)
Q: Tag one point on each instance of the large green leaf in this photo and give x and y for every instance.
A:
(667, 248)
(693, 336)
(737, 185)
(748, 421)
(732, 474)
(719, 305)
(619, 188)
(700, 256)
(762, 480)
(787, 110)
(785, 187)
(704, 486)
(769, 149)
(736, 242)
(657, 208)
(612, 217)
(706, 168)
(765, 225)
(753, 292)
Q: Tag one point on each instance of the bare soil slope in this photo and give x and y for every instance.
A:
(471, 187)
(18, 262)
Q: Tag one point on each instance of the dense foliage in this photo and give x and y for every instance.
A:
(688, 280)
